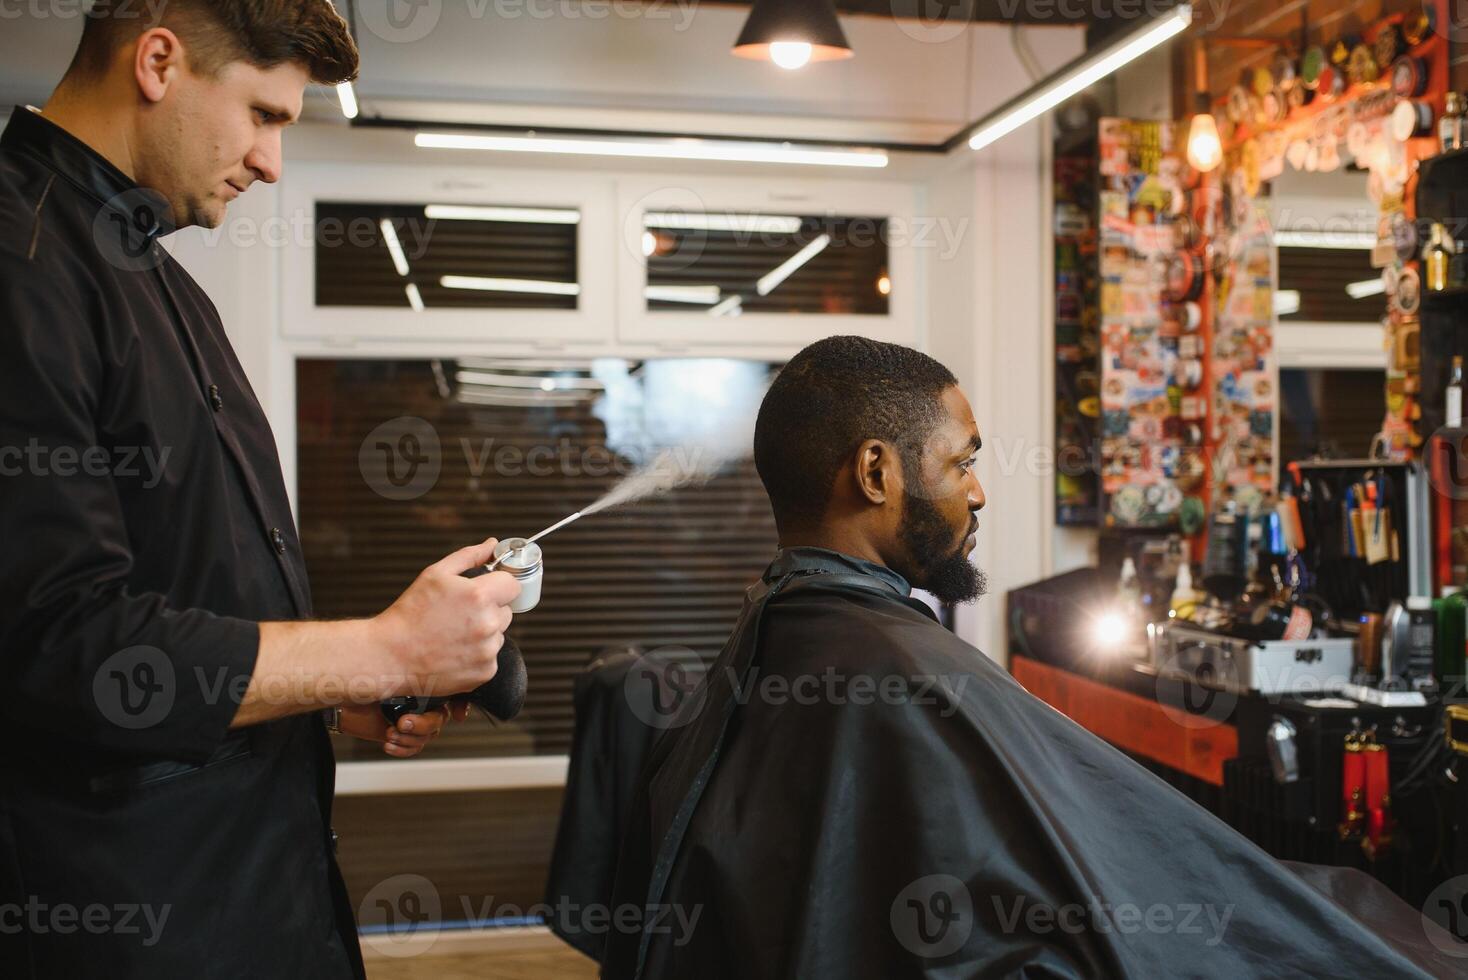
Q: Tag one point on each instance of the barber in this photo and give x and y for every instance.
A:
(163, 684)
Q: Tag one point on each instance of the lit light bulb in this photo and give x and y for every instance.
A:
(1205, 150)
(649, 243)
(1111, 629)
(884, 286)
(790, 54)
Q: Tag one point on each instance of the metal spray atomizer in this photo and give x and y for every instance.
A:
(523, 560)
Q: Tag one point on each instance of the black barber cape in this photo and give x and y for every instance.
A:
(146, 534)
(862, 794)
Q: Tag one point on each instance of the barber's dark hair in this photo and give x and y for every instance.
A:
(831, 397)
(263, 33)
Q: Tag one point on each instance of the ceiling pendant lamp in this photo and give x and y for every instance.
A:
(792, 33)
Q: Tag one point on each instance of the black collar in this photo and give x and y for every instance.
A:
(30, 134)
(808, 561)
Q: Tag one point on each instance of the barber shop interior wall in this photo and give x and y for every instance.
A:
(982, 287)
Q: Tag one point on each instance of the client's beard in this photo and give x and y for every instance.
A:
(941, 569)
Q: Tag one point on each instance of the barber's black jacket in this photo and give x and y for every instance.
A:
(146, 534)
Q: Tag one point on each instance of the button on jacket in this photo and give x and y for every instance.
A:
(147, 533)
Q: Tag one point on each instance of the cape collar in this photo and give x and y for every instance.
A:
(813, 561)
(29, 133)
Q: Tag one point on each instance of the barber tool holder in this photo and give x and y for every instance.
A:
(1346, 581)
(1300, 820)
(1227, 663)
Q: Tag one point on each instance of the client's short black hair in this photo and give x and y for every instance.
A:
(826, 401)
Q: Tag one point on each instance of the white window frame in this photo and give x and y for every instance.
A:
(1311, 344)
(677, 330)
(302, 319)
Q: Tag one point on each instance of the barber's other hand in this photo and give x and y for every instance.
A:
(409, 736)
(443, 635)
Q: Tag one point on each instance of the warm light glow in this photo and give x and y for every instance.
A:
(884, 285)
(790, 54)
(348, 98)
(735, 151)
(1111, 629)
(1205, 149)
(1080, 76)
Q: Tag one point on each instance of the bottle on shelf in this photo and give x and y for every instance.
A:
(1453, 414)
(1450, 126)
(1184, 600)
(1451, 640)
(1129, 589)
(1435, 258)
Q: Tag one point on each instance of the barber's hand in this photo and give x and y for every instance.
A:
(409, 736)
(443, 635)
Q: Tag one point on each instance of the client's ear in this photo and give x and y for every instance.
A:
(878, 472)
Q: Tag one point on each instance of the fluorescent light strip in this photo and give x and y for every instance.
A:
(348, 98)
(777, 224)
(415, 298)
(1081, 76)
(494, 364)
(703, 295)
(1286, 301)
(537, 216)
(487, 379)
(1355, 240)
(394, 247)
(491, 285)
(1365, 288)
(771, 280)
(683, 149)
(471, 397)
(724, 307)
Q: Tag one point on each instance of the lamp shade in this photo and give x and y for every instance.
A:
(793, 22)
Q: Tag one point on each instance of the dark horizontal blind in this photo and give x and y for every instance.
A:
(355, 268)
(669, 571)
(841, 278)
(1320, 276)
(1333, 412)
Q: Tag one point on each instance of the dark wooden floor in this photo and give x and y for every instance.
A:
(559, 964)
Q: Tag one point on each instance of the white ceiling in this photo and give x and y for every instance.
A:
(624, 65)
